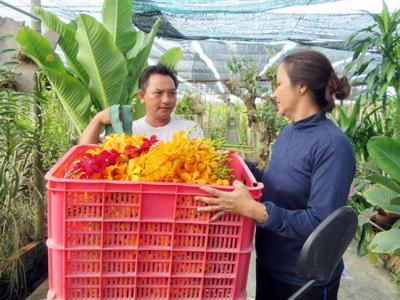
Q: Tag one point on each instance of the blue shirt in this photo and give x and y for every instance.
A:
(309, 176)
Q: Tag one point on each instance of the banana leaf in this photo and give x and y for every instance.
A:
(39, 49)
(385, 152)
(381, 196)
(388, 182)
(74, 97)
(102, 60)
(137, 58)
(67, 41)
(171, 57)
(117, 19)
(386, 241)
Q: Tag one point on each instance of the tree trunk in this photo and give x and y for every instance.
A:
(198, 108)
(252, 141)
(232, 136)
(38, 180)
(397, 115)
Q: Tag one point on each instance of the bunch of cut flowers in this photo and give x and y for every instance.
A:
(181, 160)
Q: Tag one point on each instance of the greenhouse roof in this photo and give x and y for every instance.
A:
(211, 32)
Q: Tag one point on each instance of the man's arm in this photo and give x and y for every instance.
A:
(92, 132)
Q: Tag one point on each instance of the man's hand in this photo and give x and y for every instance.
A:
(103, 117)
(92, 132)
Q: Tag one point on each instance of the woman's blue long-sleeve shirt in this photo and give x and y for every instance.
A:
(309, 176)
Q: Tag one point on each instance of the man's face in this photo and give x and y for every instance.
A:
(159, 97)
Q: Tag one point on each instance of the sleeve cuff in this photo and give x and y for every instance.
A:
(273, 219)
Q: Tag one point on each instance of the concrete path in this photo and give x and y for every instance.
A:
(362, 280)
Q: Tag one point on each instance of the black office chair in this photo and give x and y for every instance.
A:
(325, 247)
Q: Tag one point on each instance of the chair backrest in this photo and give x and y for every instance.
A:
(326, 245)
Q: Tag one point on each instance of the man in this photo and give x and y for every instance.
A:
(157, 92)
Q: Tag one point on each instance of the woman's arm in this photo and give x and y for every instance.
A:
(330, 184)
(258, 174)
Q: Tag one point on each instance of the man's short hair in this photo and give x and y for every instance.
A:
(157, 69)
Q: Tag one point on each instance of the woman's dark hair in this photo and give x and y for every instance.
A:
(157, 69)
(314, 70)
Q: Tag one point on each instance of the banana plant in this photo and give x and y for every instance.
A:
(103, 60)
(385, 193)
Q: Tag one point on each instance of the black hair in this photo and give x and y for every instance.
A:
(156, 69)
(314, 70)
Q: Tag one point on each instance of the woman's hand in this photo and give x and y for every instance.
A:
(238, 201)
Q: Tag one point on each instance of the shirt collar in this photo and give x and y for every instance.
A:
(310, 121)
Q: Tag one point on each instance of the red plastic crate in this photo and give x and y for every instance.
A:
(143, 240)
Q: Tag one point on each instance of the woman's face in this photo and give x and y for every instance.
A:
(285, 93)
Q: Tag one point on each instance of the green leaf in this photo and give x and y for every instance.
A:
(67, 41)
(138, 56)
(39, 49)
(139, 110)
(373, 258)
(359, 50)
(388, 182)
(390, 72)
(117, 19)
(383, 89)
(74, 97)
(352, 38)
(138, 46)
(380, 196)
(354, 114)
(343, 118)
(371, 79)
(385, 152)
(361, 58)
(396, 224)
(365, 238)
(102, 60)
(25, 124)
(171, 57)
(3, 178)
(362, 67)
(395, 201)
(386, 242)
(385, 17)
(16, 181)
(365, 215)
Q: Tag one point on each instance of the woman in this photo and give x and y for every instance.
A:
(309, 176)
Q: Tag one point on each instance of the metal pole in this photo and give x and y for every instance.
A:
(301, 291)
(20, 10)
(35, 22)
